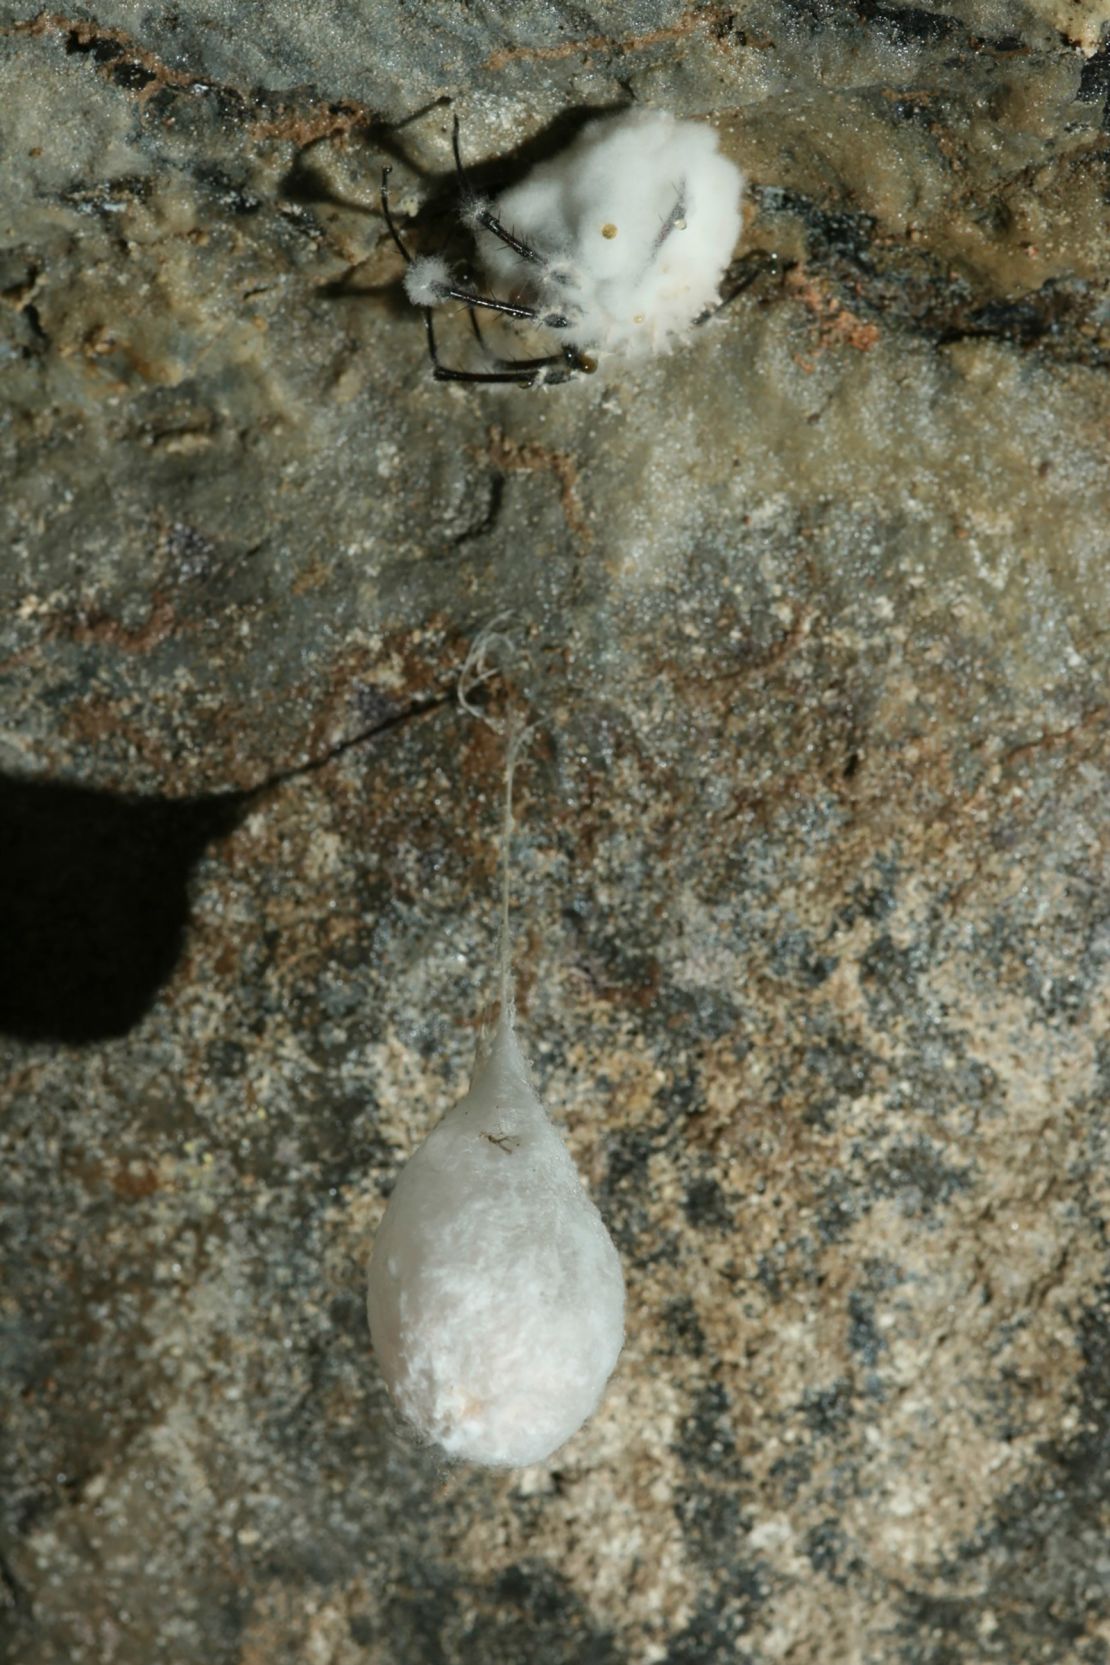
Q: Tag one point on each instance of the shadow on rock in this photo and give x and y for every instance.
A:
(94, 902)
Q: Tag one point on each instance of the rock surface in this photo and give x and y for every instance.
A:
(812, 863)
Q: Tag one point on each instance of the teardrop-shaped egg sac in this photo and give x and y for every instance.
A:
(496, 1299)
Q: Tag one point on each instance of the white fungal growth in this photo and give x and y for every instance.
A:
(632, 226)
(496, 1300)
(426, 280)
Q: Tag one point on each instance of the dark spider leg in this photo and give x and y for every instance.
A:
(676, 218)
(387, 216)
(440, 371)
(476, 329)
(573, 362)
(521, 377)
(568, 356)
(485, 217)
(744, 272)
(514, 373)
(470, 297)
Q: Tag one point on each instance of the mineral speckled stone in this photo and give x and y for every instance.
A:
(812, 859)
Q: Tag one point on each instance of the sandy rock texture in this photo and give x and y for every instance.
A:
(813, 932)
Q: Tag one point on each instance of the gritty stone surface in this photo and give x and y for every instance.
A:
(811, 872)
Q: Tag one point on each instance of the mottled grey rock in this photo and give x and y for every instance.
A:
(811, 868)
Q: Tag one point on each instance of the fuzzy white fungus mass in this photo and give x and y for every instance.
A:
(496, 1299)
(632, 226)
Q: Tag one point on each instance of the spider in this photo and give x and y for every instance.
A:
(614, 245)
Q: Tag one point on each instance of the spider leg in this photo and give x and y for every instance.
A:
(476, 329)
(455, 292)
(570, 357)
(521, 376)
(511, 372)
(477, 212)
(471, 297)
(486, 218)
(387, 216)
(490, 222)
(740, 276)
(459, 169)
(675, 221)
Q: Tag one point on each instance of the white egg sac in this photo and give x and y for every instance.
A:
(496, 1300)
(631, 228)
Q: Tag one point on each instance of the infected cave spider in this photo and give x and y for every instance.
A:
(615, 245)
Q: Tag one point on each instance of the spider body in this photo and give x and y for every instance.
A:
(616, 245)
